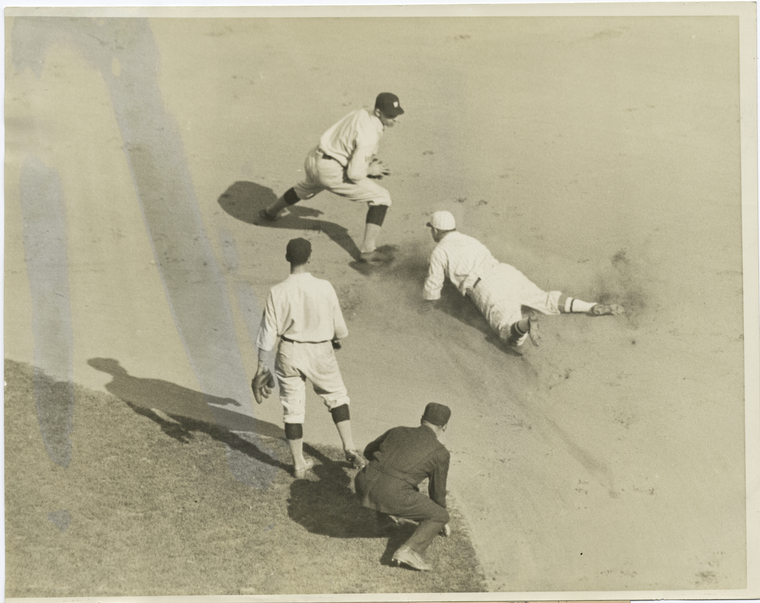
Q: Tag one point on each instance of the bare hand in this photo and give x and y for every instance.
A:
(377, 169)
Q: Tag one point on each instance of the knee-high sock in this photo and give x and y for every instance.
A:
(569, 304)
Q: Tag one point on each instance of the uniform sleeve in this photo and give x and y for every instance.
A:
(373, 447)
(268, 329)
(436, 276)
(339, 324)
(438, 478)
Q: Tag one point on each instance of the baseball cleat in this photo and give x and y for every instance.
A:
(356, 459)
(300, 472)
(411, 558)
(265, 215)
(383, 254)
(533, 332)
(606, 310)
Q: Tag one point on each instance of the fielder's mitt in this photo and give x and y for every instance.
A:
(377, 169)
(262, 385)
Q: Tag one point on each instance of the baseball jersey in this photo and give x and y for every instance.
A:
(304, 309)
(462, 259)
(353, 141)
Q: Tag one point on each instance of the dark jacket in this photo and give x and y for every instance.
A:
(400, 459)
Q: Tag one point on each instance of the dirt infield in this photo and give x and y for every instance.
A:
(600, 155)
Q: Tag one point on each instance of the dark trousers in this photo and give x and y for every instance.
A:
(431, 517)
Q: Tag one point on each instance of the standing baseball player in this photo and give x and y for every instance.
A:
(303, 311)
(345, 163)
(498, 290)
(400, 460)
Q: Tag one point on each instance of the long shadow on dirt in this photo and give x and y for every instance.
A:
(244, 200)
(180, 411)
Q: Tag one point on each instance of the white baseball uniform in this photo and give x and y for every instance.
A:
(497, 289)
(304, 311)
(339, 164)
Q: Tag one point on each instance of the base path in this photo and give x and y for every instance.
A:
(599, 155)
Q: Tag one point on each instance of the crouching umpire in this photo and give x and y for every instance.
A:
(400, 459)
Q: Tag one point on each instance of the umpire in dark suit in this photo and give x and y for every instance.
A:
(400, 459)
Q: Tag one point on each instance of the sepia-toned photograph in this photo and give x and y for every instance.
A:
(381, 303)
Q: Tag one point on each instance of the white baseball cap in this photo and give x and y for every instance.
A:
(442, 220)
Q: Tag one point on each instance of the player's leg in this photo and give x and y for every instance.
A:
(570, 305)
(272, 212)
(573, 305)
(305, 189)
(515, 333)
(342, 418)
(499, 297)
(372, 228)
(328, 384)
(378, 199)
(293, 399)
(294, 435)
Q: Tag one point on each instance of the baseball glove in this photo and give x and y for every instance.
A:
(377, 169)
(262, 385)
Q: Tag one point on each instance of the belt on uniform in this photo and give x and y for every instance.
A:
(326, 156)
(475, 284)
(294, 341)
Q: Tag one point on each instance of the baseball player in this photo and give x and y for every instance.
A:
(400, 460)
(345, 163)
(303, 311)
(498, 290)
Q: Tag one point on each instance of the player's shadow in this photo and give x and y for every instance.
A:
(244, 200)
(180, 412)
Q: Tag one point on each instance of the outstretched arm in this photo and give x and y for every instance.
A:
(435, 277)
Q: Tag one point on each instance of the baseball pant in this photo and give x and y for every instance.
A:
(328, 174)
(316, 362)
(501, 294)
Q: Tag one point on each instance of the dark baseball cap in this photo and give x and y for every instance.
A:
(298, 251)
(389, 104)
(437, 414)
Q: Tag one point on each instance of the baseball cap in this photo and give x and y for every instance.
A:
(298, 251)
(437, 414)
(442, 220)
(389, 104)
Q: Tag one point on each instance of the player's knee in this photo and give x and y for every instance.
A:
(441, 515)
(291, 197)
(376, 214)
(294, 431)
(340, 413)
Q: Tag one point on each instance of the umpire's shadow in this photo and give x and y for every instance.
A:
(244, 200)
(180, 412)
(329, 506)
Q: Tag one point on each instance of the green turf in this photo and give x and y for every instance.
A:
(148, 505)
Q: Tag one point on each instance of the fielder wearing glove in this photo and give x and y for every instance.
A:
(262, 385)
(377, 169)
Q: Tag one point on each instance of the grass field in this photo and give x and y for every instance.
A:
(148, 506)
